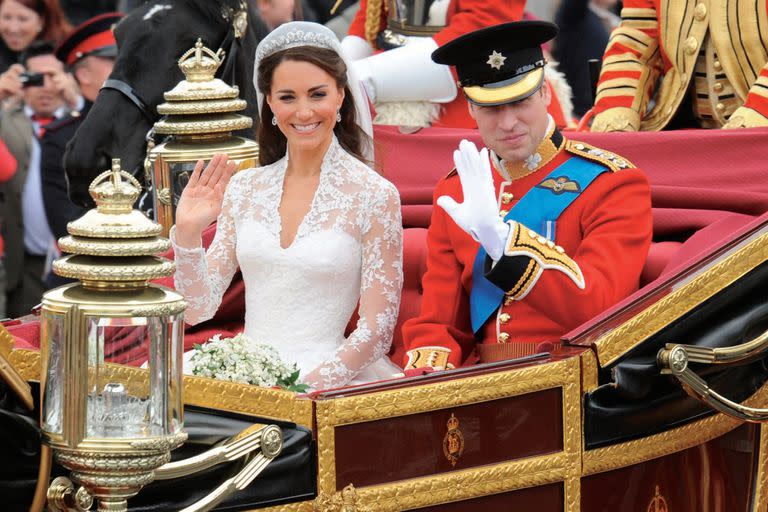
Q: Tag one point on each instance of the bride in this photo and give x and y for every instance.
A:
(313, 229)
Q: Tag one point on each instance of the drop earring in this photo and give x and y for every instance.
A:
(274, 121)
(338, 116)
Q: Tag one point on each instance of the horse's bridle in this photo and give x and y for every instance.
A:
(131, 95)
(238, 24)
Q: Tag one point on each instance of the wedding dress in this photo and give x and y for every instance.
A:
(299, 299)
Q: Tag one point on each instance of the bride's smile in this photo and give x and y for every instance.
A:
(305, 100)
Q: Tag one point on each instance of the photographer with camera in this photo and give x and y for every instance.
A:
(89, 54)
(34, 95)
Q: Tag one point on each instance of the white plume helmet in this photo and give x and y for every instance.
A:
(306, 33)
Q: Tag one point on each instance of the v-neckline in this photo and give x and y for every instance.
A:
(303, 220)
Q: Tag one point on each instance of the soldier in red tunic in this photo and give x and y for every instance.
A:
(532, 238)
(683, 65)
(404, 77)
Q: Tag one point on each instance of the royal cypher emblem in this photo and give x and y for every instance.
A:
(496, 60)
(560, 184)
(453, 442)
(658, 503)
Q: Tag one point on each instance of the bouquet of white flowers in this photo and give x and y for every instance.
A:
(238, 360)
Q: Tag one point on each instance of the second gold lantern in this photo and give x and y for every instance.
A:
(201, 114)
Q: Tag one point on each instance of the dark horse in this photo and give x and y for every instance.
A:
(150, 41)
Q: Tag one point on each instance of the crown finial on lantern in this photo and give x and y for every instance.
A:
(199, 64)
(111, 193)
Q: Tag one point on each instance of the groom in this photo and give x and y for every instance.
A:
(532, 236)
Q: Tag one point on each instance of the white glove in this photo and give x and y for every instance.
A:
(361, 69)
(407, 73)
(478, 215)
(354, 48)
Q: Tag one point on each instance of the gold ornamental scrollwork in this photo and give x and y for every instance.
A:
(160, 310)
(453, 442)
(164, 196)
(344, 501)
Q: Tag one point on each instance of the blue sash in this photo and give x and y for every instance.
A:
(543, 203)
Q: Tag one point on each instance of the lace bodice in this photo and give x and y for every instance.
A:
(299, 299)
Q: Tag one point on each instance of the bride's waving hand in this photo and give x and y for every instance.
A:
(200, 202)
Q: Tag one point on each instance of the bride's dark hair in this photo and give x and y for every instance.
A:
(272, 142)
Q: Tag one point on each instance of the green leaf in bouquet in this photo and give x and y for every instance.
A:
(291, 383)
(297, 388)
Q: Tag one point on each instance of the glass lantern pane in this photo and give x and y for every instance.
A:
(118, 408)
(52, 334)
(165, 372)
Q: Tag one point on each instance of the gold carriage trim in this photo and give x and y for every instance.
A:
(607, 158)
(433, 357)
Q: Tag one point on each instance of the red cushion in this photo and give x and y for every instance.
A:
(414, 266)
(659, 255)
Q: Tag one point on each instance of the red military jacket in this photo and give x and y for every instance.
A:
(718, 47)
(606, 231)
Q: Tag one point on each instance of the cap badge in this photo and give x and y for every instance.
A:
(496, 60)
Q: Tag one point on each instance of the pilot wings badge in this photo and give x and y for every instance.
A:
(560, 185)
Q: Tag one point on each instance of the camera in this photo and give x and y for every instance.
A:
(31, 79)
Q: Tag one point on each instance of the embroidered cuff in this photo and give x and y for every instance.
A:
(526, 255)
(616, 119)
(434, 357)
(745, 117)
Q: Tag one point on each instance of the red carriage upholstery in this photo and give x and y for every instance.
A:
(705, 185)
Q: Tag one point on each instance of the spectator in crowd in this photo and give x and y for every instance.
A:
(47, 94)
(584, 29)
(89, 54)
(673, 65)
(24, 21)
(7, 170)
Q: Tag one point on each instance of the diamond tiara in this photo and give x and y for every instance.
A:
(293, 39)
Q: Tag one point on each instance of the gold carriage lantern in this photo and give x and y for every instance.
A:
(110, 431)
(201, 114)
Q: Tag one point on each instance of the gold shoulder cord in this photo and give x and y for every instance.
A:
(372, 20)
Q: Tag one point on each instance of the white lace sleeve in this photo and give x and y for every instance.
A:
(203, 276)
(380, 286)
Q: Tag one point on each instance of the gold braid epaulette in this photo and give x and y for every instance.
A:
(372, 20)
(611, 160)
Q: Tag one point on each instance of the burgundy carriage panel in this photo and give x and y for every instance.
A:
(411, 446)
(713, 476)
